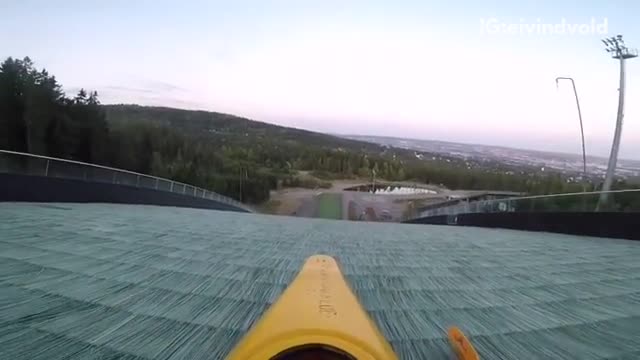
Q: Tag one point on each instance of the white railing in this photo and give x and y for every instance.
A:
(580, 202)
(32, 164)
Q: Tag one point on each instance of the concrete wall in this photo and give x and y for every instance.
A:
(603, 224)
(16, 187)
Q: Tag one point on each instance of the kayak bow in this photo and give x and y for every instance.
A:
(318, 317)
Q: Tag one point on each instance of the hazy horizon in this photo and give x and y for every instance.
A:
(450, 71)
(520, 148)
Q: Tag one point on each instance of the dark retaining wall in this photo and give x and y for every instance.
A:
(603, 224)
(15, 187)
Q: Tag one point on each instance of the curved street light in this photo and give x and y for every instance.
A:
(584, 151)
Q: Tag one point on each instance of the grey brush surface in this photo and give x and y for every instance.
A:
(98, 281)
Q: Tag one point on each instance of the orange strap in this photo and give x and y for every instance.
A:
(462, 345)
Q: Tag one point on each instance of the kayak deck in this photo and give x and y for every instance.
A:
(318, 317)
(318, 310)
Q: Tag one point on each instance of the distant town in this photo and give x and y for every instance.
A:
(568, 164)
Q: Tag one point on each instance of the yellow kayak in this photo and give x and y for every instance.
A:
(318, 317)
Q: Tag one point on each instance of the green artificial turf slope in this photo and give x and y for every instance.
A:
(98, 281)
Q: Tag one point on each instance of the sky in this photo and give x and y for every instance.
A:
(466, 71)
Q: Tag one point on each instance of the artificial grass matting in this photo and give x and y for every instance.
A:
(99, 281)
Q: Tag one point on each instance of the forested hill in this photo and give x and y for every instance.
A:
(236, 156)
(230, 127)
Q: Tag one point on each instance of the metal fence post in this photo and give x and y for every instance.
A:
(156, 183)
(171, 188)
(194, 191)
(184, 188)
(138, 180)
(114, 176)
(46, 169)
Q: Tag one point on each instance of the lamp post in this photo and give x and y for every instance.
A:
(584, 151)
(619, 51)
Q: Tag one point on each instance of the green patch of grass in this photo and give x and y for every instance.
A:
(330, 206)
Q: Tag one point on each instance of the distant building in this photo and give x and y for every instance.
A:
(481, 196)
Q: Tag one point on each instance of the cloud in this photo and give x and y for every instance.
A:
(129, 89)
(160, 85)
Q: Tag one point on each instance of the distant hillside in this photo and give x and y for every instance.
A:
(239, 157)
(230, 127)
(232, 150)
